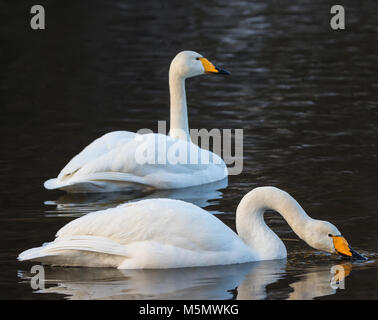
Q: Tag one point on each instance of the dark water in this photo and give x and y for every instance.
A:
(306, 97)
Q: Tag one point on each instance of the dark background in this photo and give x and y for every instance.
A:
(305, 95)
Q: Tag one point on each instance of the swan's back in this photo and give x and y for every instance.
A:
(167, 221)
(152, 233)
(120, 160)
(94, 150)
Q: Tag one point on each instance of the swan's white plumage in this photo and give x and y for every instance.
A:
(109, 163)
(155, 233)
(116, 160)
(96, 149)
(164, 233)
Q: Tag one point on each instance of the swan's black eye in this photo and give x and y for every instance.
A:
(197, 58)
(329, 235)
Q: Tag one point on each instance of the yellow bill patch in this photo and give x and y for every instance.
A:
(208, 66)
(341, 246)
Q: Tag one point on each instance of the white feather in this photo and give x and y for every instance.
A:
(164, 233)
(111, 162)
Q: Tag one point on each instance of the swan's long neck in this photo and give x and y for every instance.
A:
(179, 127)
(251, 226)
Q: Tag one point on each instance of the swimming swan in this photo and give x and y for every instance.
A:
(164, 233)
(123, 159)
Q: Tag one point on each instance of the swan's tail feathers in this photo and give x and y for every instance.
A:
(97, 182)
(30, 254)
(83, 251)
(51, 184)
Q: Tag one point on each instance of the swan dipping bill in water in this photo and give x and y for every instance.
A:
(113, 161)
(165, 233)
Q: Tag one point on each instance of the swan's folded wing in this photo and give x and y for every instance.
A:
(79, 243)
(96, 149)
(151, 233)
(83, 251)
(165, 221)
(152, 159)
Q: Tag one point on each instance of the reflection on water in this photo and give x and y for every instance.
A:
(320, 283)
(186, 283)
(305, 96)
(78, 204)
(248, 281)
(200, 283)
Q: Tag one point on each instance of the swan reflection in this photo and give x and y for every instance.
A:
(218, 282)
(320, 283)
(248, 281)
(79, 204)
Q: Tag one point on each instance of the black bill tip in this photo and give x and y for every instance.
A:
(222, 71)
(356, 255)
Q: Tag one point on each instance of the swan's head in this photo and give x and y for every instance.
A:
(324, 236)
(188, 64)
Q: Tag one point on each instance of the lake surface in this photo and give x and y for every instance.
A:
(305, 95)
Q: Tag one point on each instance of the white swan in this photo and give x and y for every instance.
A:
(164, 233)
(123, 159)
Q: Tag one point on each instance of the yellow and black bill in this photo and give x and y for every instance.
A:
(344, 249)
(210, 68)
